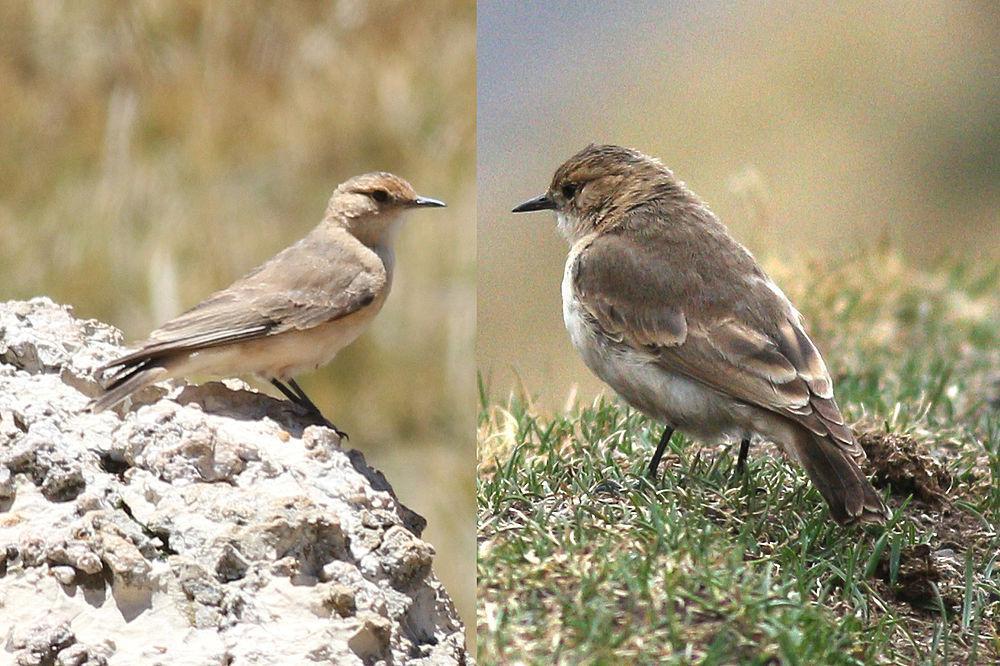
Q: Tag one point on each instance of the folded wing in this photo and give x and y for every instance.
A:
(279, 296)
(761, 356)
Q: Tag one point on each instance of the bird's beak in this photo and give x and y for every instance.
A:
(427, 202)
(542, 202)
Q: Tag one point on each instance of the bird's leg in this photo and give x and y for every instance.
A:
(658, 454)
(285, 391)
(301, 396)
(741, 461)
(311, 406)
(297, 396)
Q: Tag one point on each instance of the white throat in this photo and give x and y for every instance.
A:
(378, 232)
(570, 226)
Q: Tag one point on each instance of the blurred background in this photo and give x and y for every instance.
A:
(152, 152)
(816, 131)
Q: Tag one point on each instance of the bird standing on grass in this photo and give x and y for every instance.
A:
(293, 313)
(680, 320)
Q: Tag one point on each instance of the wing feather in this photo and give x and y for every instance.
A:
(617, 303)
(759, 355)
(308, 284)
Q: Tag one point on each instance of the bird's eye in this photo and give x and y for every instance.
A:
(380, 196)
(569, 190)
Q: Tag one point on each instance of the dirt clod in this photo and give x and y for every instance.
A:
(917, 576)
(903, 465)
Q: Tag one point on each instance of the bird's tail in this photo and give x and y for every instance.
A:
(850, 496)
(125, 382)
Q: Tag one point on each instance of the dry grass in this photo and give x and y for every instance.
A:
(151, 152)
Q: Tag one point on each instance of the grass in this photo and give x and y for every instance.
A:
(582, 560)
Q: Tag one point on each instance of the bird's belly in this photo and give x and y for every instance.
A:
(288, 354)
(663, 395)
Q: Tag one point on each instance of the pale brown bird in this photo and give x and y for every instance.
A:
(680, 320)
(293, 313)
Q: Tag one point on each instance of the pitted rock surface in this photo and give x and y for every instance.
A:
(197, 524)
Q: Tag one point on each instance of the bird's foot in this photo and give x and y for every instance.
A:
(297, 396)
(608, 487)
(323, 421)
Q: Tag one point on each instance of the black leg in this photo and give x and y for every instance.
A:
(287, 392)
(658, 454)
(741, 461)
(303, 398)
(311, 406)
(296, 395)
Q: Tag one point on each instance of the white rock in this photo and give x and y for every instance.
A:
(206, 524)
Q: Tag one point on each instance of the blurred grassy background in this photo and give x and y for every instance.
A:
(815, 130)
(151, 152)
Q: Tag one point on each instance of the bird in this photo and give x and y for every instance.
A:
(290, 315)
(670, 311)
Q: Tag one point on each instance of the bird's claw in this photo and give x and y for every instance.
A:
(329, 424)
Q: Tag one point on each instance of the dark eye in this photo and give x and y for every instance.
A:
(380, 196)
(569, 190)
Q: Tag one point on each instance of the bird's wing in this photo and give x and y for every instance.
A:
(625, 296)
(308, 284)
(761, 356)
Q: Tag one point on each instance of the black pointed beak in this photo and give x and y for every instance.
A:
(427, 202)
(543, 202)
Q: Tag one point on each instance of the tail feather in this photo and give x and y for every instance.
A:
(850, 496)
(126, 382)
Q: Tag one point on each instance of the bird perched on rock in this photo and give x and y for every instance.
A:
(293, 313)
(680, 320)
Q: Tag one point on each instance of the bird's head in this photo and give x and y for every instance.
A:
(369, 205)
(601, 184)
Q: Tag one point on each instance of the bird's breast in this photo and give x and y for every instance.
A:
(591, 343)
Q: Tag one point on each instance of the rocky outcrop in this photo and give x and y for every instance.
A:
(202, 525)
